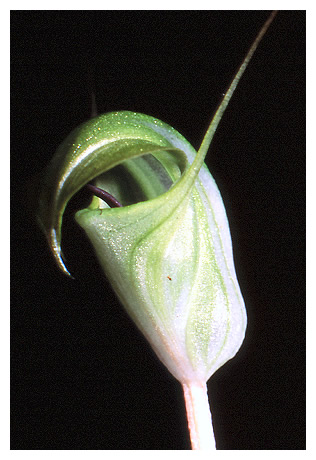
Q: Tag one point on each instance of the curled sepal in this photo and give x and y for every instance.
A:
(97, 146)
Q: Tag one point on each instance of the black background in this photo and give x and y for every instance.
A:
(82, 376)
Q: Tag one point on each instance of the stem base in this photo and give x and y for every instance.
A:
(199, 416)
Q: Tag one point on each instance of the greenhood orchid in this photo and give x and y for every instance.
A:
(163, 241)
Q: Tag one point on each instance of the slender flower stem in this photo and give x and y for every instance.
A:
(199, 416)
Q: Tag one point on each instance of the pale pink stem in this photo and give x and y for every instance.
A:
(199, 416)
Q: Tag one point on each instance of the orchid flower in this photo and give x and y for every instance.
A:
(158, 226)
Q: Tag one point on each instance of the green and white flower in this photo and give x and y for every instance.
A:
(167, 250)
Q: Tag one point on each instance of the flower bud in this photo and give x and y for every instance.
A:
(159, 228)
(167, 251)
